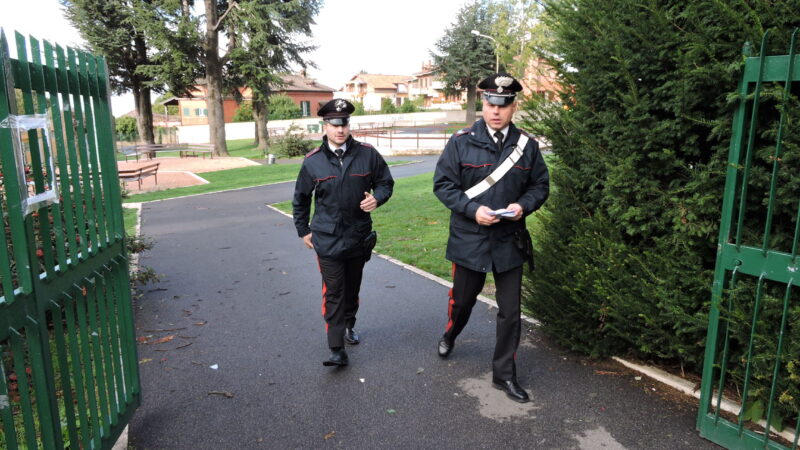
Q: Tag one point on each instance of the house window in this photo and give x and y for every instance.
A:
(305, 107)
(186, 112)
(205, 113)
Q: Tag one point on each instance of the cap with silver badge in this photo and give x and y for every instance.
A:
(500, 89)
(336, 112)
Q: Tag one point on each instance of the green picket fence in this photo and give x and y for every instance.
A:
(753, 341)
(68, 365)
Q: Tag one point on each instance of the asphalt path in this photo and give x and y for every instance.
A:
(232, 344)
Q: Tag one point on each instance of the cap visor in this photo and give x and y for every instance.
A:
(499, 100)
(338, 121)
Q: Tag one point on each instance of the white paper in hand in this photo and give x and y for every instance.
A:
(502, 213)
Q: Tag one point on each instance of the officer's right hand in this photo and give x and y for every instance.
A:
(307, 241)
(483, 217)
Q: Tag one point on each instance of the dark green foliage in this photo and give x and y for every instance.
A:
(387, 106)
(409, 106)
(244, 113)
(126, 128)
(641, 137)
(360, 111)
(268, 43)
(282, 107)
(291, 144)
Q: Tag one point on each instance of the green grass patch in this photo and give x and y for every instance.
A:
(129, 216)
(223, 180)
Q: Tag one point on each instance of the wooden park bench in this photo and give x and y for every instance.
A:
(139, 173)
(152, 150)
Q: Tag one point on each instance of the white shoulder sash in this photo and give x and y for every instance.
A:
(500, 171)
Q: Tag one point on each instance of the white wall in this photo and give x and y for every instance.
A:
(198, 134)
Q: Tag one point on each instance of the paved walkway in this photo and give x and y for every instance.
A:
(241, 297)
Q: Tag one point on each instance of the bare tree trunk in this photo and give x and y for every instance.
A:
(216, 116)
(144, 112)
(260, 114)
(185, 8)
(471, 94)
(255, 130)
(145, 117)
(144, 109)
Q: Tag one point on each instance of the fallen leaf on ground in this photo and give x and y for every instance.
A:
(391, 411)
(225, 394)
(200, 324)
(145, 360)
(329, 435)
(420, 370)
(605, 372)
(163, 339)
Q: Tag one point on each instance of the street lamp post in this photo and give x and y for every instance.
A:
(496, 53)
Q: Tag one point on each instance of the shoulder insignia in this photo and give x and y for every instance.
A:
(313, 151)
(366, 144)
(526, 133)
(462, 131)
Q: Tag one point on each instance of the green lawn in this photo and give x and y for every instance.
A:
(129, 219)
(223, 180)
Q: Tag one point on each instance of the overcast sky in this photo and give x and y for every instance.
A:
(378, 36)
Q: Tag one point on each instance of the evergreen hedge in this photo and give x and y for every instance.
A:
(627, 246)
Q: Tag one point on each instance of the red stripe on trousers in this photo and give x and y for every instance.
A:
(451, 302)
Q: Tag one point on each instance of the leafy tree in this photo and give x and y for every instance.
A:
(627, 244)
(360, 110)
(410, 106)
(126, 128)
(461, 58)
(387, 106)
(216, 12)
(142, 41)
(264, 44)
(519, 33)
(244, 113)
(282, 107)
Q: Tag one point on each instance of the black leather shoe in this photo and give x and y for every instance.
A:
(512, 389)
(338, 358)
(445, 347)
(351, 337)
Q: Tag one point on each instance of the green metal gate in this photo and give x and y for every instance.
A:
(68, 368)
(754, 309)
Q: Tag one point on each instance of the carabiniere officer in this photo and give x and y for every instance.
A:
(491, 176)
(347, 180)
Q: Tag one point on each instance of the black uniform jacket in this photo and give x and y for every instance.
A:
(339, 225)
(469, 157)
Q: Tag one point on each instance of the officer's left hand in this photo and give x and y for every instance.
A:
(369, 203)
(517, 211)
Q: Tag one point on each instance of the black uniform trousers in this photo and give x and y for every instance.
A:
(467, 284)
(341, 283)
